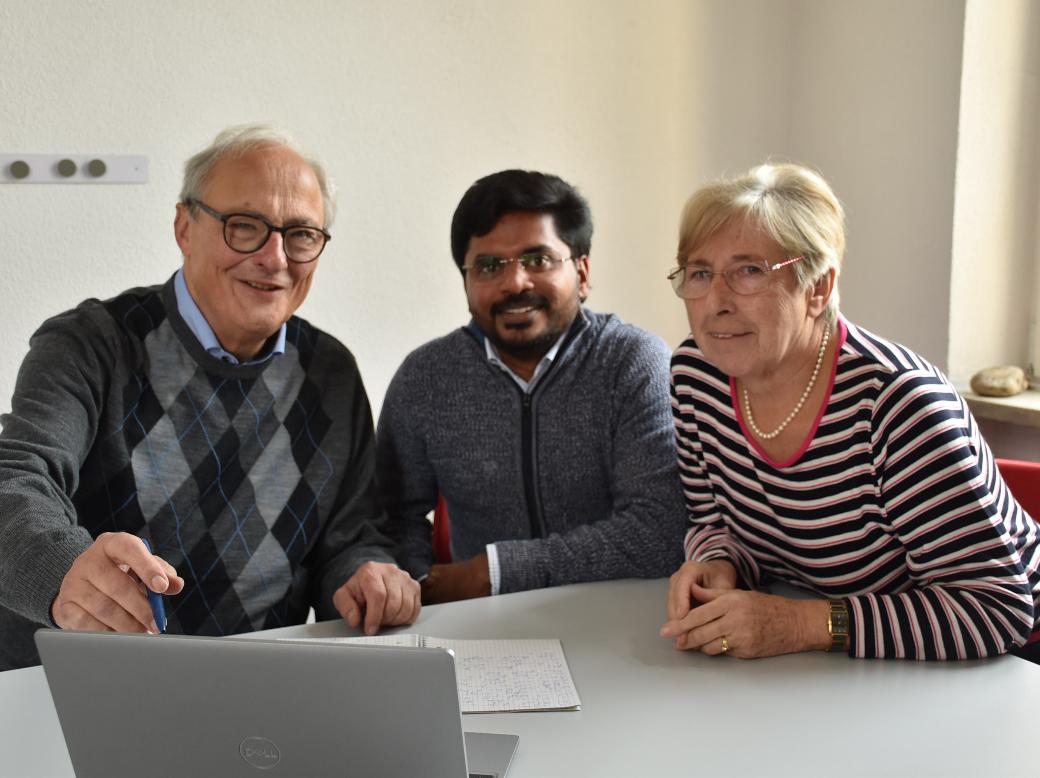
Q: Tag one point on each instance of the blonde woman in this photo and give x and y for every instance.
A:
(815, 453)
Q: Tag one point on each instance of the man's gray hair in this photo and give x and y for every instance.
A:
(239, 141)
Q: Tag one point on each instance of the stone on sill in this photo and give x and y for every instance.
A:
(1003, 381)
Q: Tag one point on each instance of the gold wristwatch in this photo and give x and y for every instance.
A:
(838, 625)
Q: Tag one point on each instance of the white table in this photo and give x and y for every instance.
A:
(648, 710)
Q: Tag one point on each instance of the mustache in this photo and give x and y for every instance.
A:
(524, 299)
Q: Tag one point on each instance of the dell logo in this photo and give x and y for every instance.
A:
(260, 752)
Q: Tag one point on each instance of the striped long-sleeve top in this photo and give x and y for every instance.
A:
(894, 503)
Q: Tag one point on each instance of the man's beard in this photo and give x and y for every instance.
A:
(532, 347)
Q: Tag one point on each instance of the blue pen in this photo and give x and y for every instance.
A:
(155, 599)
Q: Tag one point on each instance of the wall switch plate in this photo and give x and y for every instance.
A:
(72, 169)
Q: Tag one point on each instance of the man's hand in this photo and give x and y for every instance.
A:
(753, 624)
(714, 574)
(457, 581)
(379, 593)
(103, 589)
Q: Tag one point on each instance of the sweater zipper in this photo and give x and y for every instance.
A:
(534, 514)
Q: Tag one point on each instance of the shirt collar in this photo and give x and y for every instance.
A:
(527, 386)
(200, 328)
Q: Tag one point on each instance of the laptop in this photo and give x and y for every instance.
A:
(134, 704)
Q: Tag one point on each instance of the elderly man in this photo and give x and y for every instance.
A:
(202, 416)
(545, 427)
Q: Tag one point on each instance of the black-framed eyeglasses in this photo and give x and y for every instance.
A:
(487, 267)
(691, 282)
(246, 233)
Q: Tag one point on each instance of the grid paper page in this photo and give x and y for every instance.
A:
(497, 676)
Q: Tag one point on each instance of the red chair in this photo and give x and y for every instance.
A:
(441, 532)
(1023, 479)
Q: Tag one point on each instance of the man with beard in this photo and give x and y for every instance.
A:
(546, 428)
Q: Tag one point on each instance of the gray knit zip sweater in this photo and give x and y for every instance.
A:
(575, 482)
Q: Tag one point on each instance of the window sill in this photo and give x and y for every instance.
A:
(1022, 409)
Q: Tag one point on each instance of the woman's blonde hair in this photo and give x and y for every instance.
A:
(792, 204)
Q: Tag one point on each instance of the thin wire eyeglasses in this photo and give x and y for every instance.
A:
(245, 233)
(691, 282)
(487, 267)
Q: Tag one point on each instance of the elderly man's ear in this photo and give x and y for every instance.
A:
(182, 228)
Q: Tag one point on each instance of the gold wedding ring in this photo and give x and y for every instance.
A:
(725, 644)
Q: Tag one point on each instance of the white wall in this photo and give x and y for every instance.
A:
(873, 104)
(996, 241)
(635, 101)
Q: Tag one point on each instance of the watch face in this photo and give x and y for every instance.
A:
(838, 625)
(839, 617)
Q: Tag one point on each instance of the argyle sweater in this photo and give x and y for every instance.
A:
(894, 504)
(576, 481)
(253, 481)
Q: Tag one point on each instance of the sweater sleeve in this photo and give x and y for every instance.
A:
(407, 484)
(709, 538)
(962, 532)
(641, 537)
(355, 532)
(54, 417)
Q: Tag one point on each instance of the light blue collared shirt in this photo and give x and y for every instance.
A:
(197, 323)
(526, 386)
(494, 569)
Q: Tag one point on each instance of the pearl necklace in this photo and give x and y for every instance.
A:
(801, 401)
